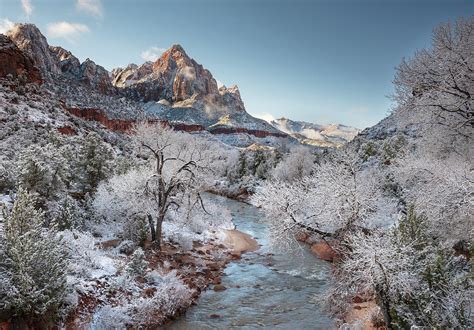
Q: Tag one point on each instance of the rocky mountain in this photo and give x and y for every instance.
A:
(333, 135)
(174, 89)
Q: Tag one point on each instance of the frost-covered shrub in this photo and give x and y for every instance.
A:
(137, 265)
(111, 318)
(86, 259)
(127, 247)
(66, 213)
(295, 165)
(171, 295)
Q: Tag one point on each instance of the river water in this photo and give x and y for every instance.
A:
(268, 288)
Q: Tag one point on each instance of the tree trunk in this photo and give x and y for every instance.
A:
(385, 306)
(159, 225)
(151, 224)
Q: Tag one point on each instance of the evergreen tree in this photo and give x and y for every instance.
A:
(242, 164)
(95, 162)
(41, 170)
(32, 263)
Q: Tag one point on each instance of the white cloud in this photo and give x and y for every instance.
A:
(93, 7)
(66, 30)
(268, 117)
(5, 25)
(152, 53)
(27, 7)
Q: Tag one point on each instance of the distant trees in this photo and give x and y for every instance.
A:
(296, 164)
(32, 263)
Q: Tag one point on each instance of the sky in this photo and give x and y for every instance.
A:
(316, 61)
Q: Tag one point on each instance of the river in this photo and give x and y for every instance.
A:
(268, 288)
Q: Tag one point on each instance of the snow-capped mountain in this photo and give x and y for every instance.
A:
(333, 135)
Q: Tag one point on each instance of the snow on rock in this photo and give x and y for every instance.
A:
(333, 135)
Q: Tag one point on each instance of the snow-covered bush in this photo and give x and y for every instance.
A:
(414, 281)
(137, 265)
(171, 295)
(86, 259)
(111, 318)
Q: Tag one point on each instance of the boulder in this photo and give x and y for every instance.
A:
(323, 251)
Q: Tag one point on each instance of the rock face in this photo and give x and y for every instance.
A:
(174, 77)
(13, 62)
(29, 39)
(56, 61)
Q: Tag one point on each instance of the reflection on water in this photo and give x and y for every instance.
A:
(265, 289)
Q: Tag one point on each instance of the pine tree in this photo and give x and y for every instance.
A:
(242, 164)
(95, 162)
(33, 259)
(41, 170)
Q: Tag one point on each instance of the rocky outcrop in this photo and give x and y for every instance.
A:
(180, 80)
(125, 125)
(95, 76)
(29, 39)
(53, 61)
(13, 62)
(131, 74)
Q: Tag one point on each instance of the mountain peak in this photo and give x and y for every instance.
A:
(29, 39)
(177, 48)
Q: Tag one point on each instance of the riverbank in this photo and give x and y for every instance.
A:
(360, 313)
(197, 269)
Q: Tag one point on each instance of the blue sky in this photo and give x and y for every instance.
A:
(318, 61)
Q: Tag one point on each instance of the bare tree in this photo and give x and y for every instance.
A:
(178, 168)
(440, 80)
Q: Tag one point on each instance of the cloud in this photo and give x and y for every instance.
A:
(5, 25)
(92, 7)
(66, 30)
(188, 72)
(27, 7)
(268, 117)
(152, 53)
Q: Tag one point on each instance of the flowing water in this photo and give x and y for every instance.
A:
(268, 288)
